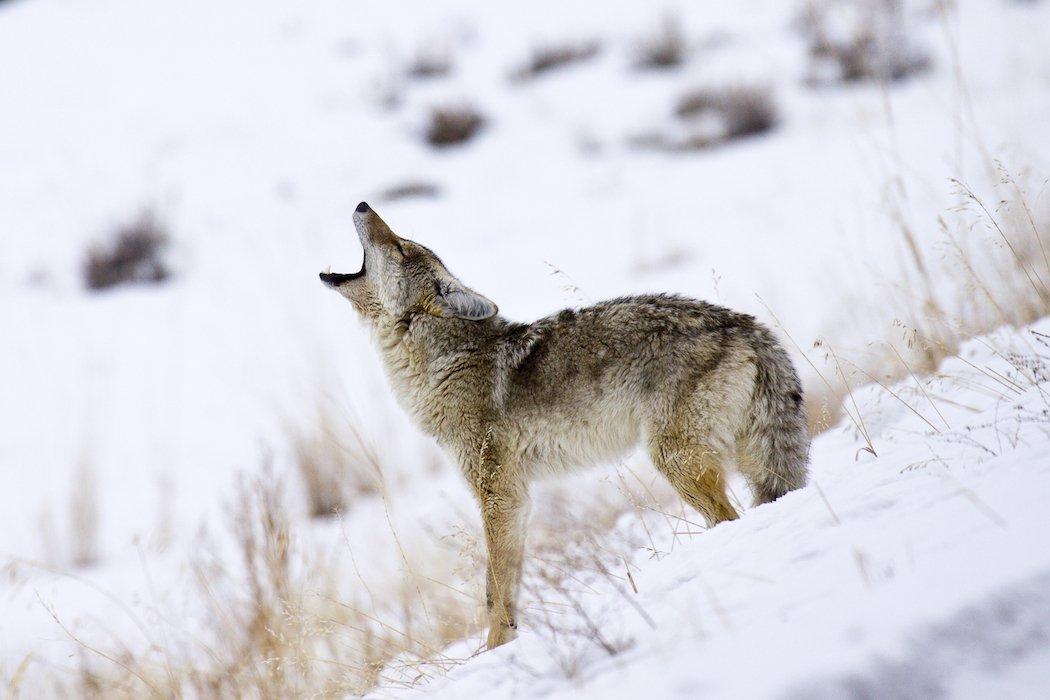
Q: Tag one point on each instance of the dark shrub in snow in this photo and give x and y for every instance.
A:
(740, 111)
(547, 58)
(452, 125)
(133, 256)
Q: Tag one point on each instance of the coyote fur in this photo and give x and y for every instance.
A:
(698, 385)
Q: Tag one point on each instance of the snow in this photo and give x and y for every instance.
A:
(252, 128)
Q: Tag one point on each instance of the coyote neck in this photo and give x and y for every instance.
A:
(440, 370)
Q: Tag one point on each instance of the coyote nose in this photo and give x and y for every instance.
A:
(362, 207)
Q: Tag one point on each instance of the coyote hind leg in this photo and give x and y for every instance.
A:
(695, 470)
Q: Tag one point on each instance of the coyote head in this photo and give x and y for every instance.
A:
(399, 278)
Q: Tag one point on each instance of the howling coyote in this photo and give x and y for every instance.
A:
(698, 385)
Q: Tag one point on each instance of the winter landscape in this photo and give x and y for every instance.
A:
(208, 489)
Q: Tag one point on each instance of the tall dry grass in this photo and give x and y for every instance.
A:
(989, 268)
(337, 465)
(276, 621)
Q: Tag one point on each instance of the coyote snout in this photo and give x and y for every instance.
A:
(700, 386)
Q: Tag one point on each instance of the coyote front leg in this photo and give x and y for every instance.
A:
(505, 540)
(503, 505)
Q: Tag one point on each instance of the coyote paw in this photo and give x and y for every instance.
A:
(501, 634)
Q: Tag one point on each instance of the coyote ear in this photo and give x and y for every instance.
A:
(455, 300)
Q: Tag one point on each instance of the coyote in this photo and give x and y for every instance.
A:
(697, 384)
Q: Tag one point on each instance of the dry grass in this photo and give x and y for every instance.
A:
(994, 257)
(335, 462)
(858, 40)
(134, 256)
(548, 58)
(278, 619)
(450, 126)
(277, 623)
(991, 268)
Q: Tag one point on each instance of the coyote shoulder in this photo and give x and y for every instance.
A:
(698, 385)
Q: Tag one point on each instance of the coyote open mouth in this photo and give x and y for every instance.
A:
(334, 279)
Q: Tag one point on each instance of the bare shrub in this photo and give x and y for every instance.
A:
(550, 57)
(412, 189)
(449, 126)
(134, 256)
(336, 463)
(665, 49)
(570, 639)
(570, 558)
(855, 40)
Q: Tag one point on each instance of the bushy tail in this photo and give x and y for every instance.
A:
(774, 447)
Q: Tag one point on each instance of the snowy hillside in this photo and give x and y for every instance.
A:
(208, 490)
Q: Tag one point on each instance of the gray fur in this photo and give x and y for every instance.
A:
(699, 385)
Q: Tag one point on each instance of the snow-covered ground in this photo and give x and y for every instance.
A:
(253, 127)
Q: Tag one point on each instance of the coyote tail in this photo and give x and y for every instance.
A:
(777, 436)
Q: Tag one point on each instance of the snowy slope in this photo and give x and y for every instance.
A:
(253, 127)
(921, 572)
